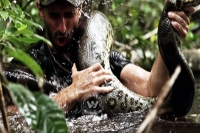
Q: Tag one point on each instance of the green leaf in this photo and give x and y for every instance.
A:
(55, 121)
(31, 23)
(20, 26)
(4, 15)
(6, 2)
(41, 113)
(2, 26)
(28, 40)
(25, 101)
(16, 42)
(27, 60)
(43, 39)
(19, 10)
(26, 32)
(10, 30)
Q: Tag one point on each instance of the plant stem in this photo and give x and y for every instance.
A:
(3, 109)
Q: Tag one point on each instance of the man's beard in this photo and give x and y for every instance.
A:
(60, 37)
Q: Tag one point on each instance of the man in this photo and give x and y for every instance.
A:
(61, 19)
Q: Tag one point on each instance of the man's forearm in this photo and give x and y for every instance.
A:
(66, 98)
(159, 75)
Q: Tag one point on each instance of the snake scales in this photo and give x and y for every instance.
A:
(182, 93)
(95, 45)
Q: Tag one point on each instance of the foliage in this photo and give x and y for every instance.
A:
(135, 25)
(40, 111)
(16, 34)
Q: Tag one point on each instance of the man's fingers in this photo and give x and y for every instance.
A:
(179, 17)
(102, 90)
(102, 79)
(102, 72)
(95, 91)
(74, 68)
(95, 67)
(189, 10)
(180, 22)
(182, 31)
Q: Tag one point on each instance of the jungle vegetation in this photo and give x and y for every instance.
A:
(134, 23)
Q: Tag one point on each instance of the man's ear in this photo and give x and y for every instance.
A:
(80, 11)
(40, 10)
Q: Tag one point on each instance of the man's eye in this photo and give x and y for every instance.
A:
(69, 15)
(53, 15)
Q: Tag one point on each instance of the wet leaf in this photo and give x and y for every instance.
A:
(25, 101)
(40, 112)
(55, 121)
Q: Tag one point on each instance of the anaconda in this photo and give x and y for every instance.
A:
(169, 42)
(95, 44)
(121, 99)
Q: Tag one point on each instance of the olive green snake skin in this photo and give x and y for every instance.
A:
(95, 45)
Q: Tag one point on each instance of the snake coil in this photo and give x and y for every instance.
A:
(94, 46)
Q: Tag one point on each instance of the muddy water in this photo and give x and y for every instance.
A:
(123, 123)
(130, 122)
(195, 111)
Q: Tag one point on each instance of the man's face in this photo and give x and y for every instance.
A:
(60, 19)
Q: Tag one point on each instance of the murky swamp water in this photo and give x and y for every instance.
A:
(123, 123)
(129, 123)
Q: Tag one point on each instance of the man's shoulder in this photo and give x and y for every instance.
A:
(37, 49)
(35, 46)
(115, 54)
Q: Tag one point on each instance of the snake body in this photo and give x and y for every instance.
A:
(94, 46)
(18, 73)
(182, 93)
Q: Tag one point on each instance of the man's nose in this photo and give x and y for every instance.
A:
(62, 25)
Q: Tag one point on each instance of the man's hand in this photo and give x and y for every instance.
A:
(180, 20)
(86, 82)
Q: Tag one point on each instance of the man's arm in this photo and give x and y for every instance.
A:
(149, 83)
(84, 84)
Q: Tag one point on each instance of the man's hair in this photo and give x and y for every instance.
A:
(76, 3)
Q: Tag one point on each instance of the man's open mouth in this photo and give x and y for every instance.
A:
(61, 41)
